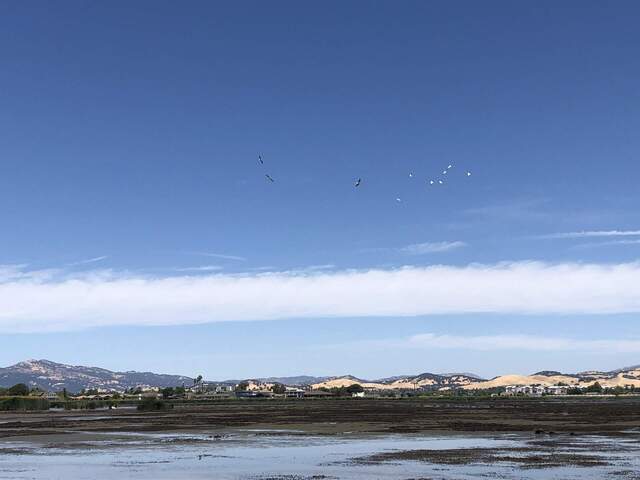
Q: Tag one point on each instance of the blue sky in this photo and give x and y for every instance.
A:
(139, 230)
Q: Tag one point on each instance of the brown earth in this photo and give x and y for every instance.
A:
(332, 416)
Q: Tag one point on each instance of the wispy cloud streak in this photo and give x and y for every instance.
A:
(221, 256)
(593, 234)
(431, 247)
(88, 261)
(201, 268)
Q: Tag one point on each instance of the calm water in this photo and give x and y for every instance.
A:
(250, 454)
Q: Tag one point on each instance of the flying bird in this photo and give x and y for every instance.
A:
(260, 160)
(431, 182)
(410, 175)
(358, 182)
(444, 172)
(468, 174)
(269, 177)
(450, 166)
(440, 182)
(398, 199)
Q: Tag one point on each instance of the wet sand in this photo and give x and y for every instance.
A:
(251, 454)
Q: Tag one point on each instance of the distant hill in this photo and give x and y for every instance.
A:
(300, 380)
(431, 381)
(626, 369)
(464, 374)
(423, 381)
(53, 376)
(615, 378)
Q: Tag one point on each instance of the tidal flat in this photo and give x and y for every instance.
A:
(341, 439)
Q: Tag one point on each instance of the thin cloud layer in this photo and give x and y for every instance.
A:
(221, 256)
(490, 343)
(35, 303)
(610, 243)
(201, 268)
(521, 342)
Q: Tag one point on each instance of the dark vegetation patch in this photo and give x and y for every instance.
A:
(153, 405)
(588, 446)
(626, 474)
(23, 404)
(523, 457)
(13, 451)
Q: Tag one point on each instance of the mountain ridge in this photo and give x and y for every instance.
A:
(52, 376)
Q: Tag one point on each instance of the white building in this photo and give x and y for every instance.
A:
(535, 390)
(292, 392)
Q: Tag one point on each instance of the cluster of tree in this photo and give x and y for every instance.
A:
(90, 391)
(463, 393)
(622, 390)
(599, 389)
(88, 404)
(24, 403)
(345, 391)
(169, 392)
(18, 390)
(279, 389)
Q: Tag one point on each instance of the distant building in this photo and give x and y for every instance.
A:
(224, 388)
(535, 390)
(318, 394)
(251, 394)
(149, 394)
(557, 390)
(292, 392)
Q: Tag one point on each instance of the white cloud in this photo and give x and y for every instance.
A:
(19, 272)
(41, 303)
(593, 234)
(431, 247)
(521, 342)
(9, 272)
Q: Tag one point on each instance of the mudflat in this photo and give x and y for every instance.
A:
(547, 416)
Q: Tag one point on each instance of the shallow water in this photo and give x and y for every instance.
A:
(289, 455)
